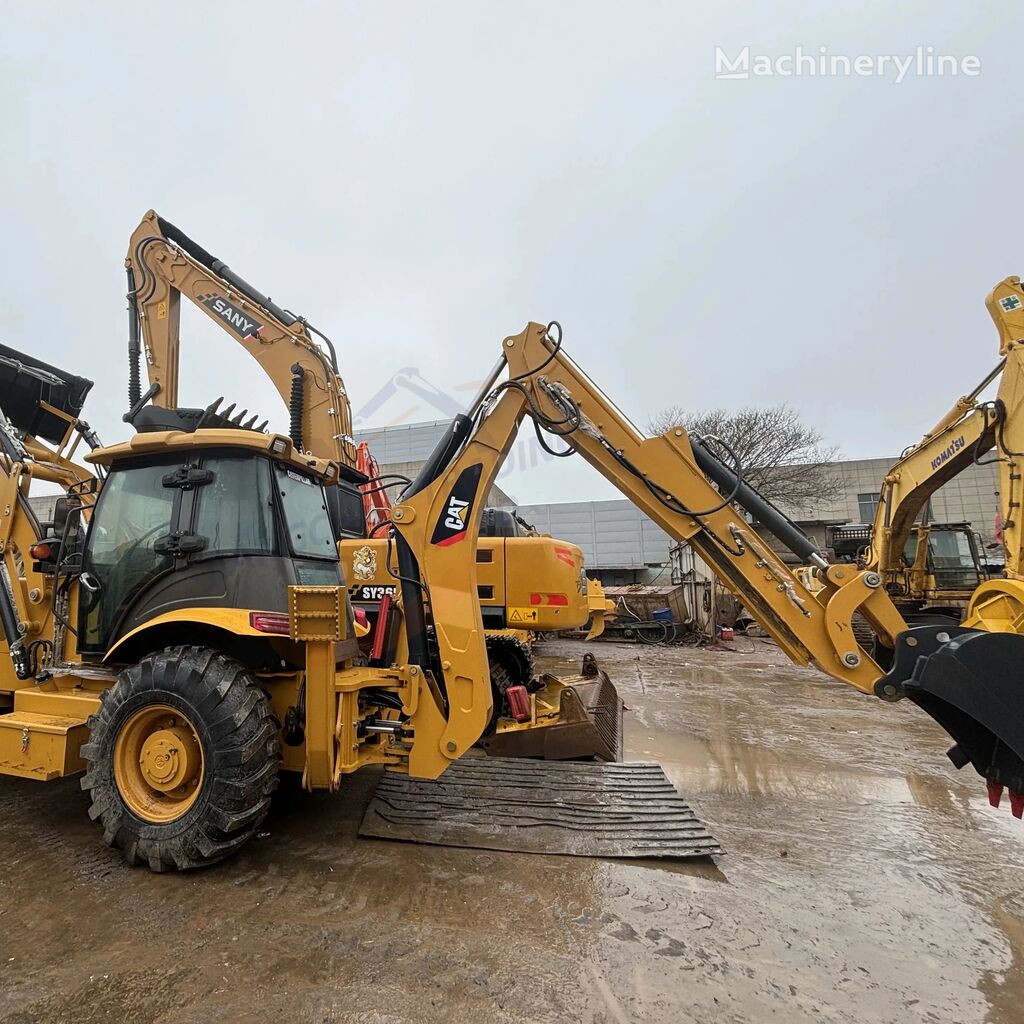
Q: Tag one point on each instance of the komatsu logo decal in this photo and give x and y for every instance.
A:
(947, 453)
(239, 321)
(451, 526)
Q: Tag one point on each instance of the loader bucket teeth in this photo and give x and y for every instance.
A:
(995, 793)
(585, 722)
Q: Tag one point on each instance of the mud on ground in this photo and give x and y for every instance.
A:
(866, 880)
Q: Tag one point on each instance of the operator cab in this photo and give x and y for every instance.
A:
(191, 525)
(953, 556)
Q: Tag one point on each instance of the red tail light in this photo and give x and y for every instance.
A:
(269, 622)
(558, 600)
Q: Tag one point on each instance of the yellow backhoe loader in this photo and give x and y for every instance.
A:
(189, 635)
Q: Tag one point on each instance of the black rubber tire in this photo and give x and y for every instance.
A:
(235, 723)
(514, 656)
(500, 682)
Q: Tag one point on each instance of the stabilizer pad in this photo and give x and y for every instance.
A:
(580, 809)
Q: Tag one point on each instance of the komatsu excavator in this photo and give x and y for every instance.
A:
(976, 429)
(527, 582)
(189, 635)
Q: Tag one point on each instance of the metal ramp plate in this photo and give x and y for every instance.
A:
(582, 809)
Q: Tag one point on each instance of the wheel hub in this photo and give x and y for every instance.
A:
(158, 763)
(169, 758)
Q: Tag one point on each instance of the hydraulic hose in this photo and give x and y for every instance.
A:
(134, 346)
(12, 628)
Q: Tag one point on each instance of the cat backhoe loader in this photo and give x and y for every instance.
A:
(528, 583)
(191, 636)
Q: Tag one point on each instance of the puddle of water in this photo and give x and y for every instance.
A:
(722, 765)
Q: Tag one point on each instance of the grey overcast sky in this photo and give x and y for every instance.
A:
(422, 179)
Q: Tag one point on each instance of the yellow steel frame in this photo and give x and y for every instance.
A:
(810, 627)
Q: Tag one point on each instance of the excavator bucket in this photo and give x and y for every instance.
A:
(572, 719)
(969, 682)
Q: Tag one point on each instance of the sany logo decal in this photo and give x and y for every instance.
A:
(241, 323)
(451, 526)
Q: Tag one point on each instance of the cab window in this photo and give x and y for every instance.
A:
(236, 508)
(135, 511)
(305, 512)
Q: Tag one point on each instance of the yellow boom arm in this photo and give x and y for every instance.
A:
(437, 525)
(163, 265)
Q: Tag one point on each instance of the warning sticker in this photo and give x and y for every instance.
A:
(1010, 303)
(521, 615)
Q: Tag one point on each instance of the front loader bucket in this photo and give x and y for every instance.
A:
(575, 718)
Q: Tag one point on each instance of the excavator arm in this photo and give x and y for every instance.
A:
(163, 264)
(969, 432)
(695, 495)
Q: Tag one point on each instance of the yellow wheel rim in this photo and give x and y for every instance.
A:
(158, 764)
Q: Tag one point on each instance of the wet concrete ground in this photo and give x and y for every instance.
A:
(866, 880)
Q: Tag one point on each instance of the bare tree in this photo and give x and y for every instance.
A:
(780, 456)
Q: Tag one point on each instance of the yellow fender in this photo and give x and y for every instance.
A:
(231, 620)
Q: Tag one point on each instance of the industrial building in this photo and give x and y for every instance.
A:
(623, 546)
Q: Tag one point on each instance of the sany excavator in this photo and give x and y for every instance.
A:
(192, 636)
(527, 582)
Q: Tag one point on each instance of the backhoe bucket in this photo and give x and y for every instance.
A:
(574, 718)
(969, 681)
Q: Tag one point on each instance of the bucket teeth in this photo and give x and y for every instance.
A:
(995, 793)
(1016, 804)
